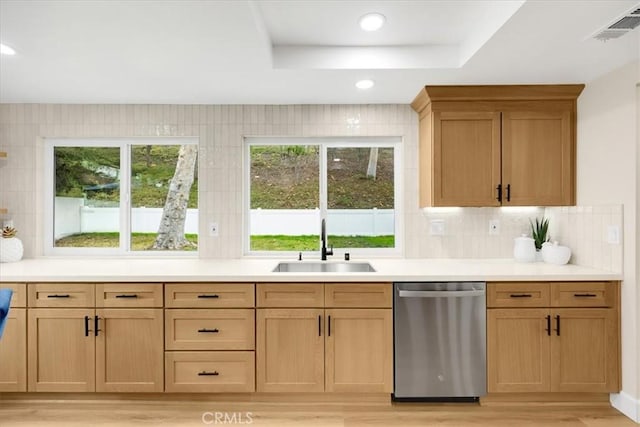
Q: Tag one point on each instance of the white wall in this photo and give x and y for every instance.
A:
(607, 173)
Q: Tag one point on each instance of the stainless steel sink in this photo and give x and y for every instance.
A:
(323, 267)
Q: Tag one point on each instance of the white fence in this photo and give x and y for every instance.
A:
(340, 222)
(72, 217)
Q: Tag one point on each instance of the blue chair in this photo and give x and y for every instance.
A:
(5, 302)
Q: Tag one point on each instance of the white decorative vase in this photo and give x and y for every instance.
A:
(11, 249)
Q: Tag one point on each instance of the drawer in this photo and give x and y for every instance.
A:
(358, 295)
(284, 295)
(19, 297)
(222, 329)
(128, 295)
(518, 294)
(205, 295)
(61, 294)
(583, 294)
(209, 371)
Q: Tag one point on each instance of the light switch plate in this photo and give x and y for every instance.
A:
(494, 227)
(613, 234)
(436, 227)
(213, 229)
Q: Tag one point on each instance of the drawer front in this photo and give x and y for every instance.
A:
(583, 294)
(209, 371)
(518, 294)
(283, 295)
(223, 329)
(61, 294)
(209, 295)
(128, 295)
(358, 295)
(19, 297)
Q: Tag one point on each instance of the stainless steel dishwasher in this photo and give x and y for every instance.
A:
(439, 341)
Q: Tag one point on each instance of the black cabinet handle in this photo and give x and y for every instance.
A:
(585, 295)
(508, 192)
(95, 326)
(209, 296)
(499, 190)
(59, 296)
(520, 296)
(319, 325)
(86, 326)
(209, 331)
(558, 325)
(205, 373)
(127, 296)
(548, 328)
(329, 328)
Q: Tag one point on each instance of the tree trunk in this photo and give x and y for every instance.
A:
(171, 233)
(373, 163)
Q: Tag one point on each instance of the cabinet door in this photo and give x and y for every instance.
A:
(359, 350)
(466, 159)
(13, 352)
(518, 350)
(61, 354)
(584, 351)
(537, 159)
(290, 350)
(129, 350)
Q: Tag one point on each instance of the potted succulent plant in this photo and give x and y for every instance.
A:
(540, 232)
(11, 248)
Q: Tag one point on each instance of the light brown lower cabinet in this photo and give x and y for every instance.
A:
(13, 352)
(104, 350)
(209, 371)
(315, 350)
(553, 349)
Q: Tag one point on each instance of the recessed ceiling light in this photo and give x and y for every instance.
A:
(365, 84)
(6, 50)
(372, 21)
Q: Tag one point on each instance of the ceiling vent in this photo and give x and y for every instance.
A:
(620, 27)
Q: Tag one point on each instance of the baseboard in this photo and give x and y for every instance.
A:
(626, 404)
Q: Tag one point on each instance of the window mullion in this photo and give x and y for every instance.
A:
(323, 184)
(125, 198)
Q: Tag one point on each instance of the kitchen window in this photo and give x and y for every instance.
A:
(291, 184)
(121, 196)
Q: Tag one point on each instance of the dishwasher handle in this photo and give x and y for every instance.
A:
(440, 294)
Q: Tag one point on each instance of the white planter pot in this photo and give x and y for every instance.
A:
(11, 249)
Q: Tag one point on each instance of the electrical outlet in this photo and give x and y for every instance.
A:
(613, 234)
(436, 227)
(213, 229)
(494, 227)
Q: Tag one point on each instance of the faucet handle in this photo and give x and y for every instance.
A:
(330, 251)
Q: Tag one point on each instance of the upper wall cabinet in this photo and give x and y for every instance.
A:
(497, 145)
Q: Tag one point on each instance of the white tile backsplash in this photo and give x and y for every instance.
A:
(221, 128)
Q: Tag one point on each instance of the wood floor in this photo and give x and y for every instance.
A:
(65, 413)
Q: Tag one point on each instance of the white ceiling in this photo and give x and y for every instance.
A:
(292, 52)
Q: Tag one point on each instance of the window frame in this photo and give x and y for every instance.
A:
(124, 144)
(394, 142)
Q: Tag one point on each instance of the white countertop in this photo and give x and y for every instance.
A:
(260, 270)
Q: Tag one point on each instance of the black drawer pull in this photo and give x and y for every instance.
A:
(209, 296)
(585, 295)
(59, 296)
(210, 331)
(127, 296)
(520, 296)
(205, 373)
(548, 329)
(86, 326)
(499, 190)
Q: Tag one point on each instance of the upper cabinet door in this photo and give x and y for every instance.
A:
(466, 159)
(537, 159)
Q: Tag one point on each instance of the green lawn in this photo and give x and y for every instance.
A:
(143, 241)
(139, 241)
(310, 242)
